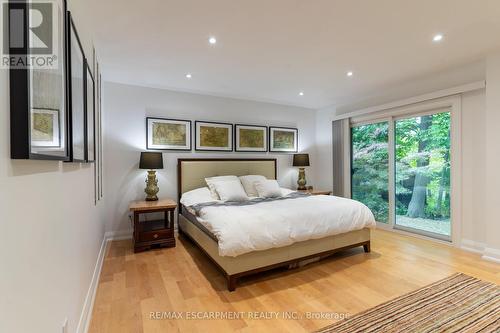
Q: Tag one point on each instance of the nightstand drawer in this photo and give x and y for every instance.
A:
(149, 236)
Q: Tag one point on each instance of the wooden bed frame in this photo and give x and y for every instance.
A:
(191, 175)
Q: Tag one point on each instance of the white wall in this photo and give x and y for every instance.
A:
(492, 196)
(50, 237)
(324, 171)
(473, 167)
(126, 110)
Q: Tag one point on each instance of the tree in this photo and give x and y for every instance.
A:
(423, 166)
(416, 208)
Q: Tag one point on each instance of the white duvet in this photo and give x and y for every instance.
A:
(243, 229)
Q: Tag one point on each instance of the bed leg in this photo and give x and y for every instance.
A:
(366, 247)
(231, 282)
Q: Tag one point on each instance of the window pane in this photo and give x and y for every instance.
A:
(423, 173)
(370, 168)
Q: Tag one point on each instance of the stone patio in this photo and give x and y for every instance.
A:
(442, 227)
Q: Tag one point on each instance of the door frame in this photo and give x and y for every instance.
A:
(454, 104)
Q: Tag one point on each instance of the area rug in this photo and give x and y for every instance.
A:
(459, 303)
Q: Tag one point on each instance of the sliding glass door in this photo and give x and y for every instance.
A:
(370, 168)
(423, 173)
(400, 169)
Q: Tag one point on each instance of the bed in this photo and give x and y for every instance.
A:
(191, 176)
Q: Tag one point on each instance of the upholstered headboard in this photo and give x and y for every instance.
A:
(191, 173)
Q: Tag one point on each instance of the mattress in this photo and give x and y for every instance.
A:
(194, 220)
(263, 224)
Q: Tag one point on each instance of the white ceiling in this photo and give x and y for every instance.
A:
(270, 50)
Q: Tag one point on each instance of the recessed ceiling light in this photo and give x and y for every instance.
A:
(437, 38)
(188, 75)
(212, 40)
(350, 73)
(301, 93)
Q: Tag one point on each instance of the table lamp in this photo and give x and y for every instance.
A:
(301, 161)
(151, 162)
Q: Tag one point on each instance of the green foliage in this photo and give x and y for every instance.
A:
(425, 151)
(370, 168)
(421, 149)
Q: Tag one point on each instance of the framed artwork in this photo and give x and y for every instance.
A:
(101, 145)
(283, 140)
(168, 134)
(250, 138)
(38, 106)
(45, 128)
(213, 136)
(98, 131)
(76, 82)
(90, 147)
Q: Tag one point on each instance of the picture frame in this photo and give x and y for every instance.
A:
(168, 134)
(101, 145)
(45, 128)
(250, 138)
(283, 139)
(39, 125)
(90, 119)
(76, 99)
(213, 136)
(98, 130)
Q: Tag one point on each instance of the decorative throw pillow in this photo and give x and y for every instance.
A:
(230, 190)
(268, 189)
(248, 184)
(212, 180)
(196, 196)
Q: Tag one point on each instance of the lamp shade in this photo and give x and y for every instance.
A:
(151, 161)
(300, 160)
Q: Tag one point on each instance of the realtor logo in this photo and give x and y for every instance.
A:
(30, 34)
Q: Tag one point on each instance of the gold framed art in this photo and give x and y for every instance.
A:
(168, 134)
(211, 136)
(250, 138)
(283, 140)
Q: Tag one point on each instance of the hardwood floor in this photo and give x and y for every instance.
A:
(183, 280)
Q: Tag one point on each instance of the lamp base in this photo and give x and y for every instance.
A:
(302, 180)
(151, 186)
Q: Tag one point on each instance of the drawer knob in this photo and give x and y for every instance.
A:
(155, 236)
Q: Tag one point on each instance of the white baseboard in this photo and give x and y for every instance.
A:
(472, 246)
(487, 253)
(118, 235)
(491, 254)
(88, 305)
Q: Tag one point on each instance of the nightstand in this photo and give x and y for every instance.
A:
(316, 192)
(153, 233)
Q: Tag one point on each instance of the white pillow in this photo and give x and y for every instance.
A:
(268, 189)
(212, 180)
(196, 196)
(248, 184)
(230, 190)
